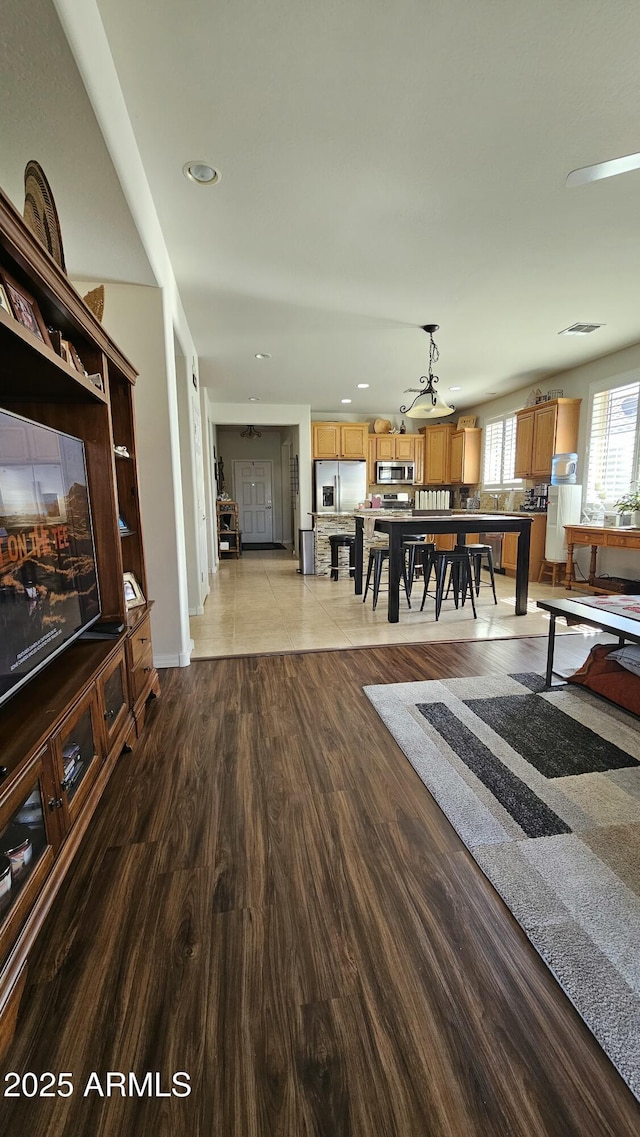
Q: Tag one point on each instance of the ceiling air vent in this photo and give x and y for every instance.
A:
(580, 329)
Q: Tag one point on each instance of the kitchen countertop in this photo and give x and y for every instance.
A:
(435, 513)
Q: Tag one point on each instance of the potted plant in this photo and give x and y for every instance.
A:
(630, 503)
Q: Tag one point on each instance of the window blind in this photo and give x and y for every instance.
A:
(509, 455)
(613, 444)
(499, 452)
(493, 437)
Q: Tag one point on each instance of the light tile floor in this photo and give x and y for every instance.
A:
(260, 603)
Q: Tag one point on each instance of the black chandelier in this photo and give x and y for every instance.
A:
(428, 402)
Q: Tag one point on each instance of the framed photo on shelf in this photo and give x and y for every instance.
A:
(75, 361)
(133, 595)
(24, 308)
(4, 301)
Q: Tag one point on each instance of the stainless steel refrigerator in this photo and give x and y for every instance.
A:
(339, 486)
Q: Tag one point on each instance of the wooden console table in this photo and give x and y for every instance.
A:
(622, 538)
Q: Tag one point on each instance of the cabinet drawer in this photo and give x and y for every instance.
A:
(587, 536)
(140, 641)
(624, 540)
(140, 674)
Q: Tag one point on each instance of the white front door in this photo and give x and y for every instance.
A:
(252, 482)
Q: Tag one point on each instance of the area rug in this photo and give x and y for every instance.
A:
(543, 787)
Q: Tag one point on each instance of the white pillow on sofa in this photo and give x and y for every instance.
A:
(628, 657)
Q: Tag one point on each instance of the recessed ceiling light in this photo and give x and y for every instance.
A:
(455, 388)
(580, 329)
(262, 355)
(362, 386)
(253, 399)
(201, 173)
(345, 400)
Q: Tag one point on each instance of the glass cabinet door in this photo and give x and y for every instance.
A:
(79, 752)
(22, 843)
(114, 699)
(28, 837)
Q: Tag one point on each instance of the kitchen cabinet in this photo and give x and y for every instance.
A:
(536, 548)
(418, 468)
(542, 431)
(405, 447)
(396, 447)
(372, 457)
(524, 443)
(465, 456)
(339, 439)
(437, 454)
(385, 447)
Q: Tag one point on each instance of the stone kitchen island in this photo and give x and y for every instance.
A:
(327, 524)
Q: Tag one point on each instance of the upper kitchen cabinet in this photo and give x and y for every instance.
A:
(437, 454)
(418, 468)
(372, 457)
(396, 447)
(339, 439)
(524, 443)
(465, 456)
(542, 431)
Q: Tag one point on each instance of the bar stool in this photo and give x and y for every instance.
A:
(410, 548)
(555, 569)
(338, 541)
(378, 554)
(477, 552)
(458, 561)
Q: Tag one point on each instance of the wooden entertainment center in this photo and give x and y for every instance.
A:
(90, 700)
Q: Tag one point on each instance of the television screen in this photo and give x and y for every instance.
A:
(48, 583)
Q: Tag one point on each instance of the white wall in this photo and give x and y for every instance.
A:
(188, 471)
(209, 458)
(137, 318)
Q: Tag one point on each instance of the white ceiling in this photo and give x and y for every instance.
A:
(384, 166)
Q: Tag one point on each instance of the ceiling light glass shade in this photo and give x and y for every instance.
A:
(428, 405)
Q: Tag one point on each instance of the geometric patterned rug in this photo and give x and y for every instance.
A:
(543, 787)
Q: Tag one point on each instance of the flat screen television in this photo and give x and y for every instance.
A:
(48, 582)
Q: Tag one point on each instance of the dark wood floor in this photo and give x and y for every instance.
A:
(270, 900)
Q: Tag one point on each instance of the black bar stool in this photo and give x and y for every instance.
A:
(477, 552)
(458, 562)
(410, 548)
(378, 554)
(338, 541)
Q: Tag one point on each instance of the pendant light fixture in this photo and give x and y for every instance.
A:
(250, 432)
(428, 402)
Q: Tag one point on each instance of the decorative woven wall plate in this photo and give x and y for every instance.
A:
(40, 213)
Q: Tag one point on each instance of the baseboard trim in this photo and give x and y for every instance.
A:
(175, 659)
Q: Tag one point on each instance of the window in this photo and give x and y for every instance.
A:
(500, 453)
(613, 443)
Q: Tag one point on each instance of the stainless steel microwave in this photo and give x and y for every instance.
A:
(394, 473)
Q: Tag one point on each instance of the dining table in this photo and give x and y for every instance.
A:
(401, 528)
